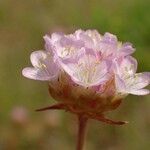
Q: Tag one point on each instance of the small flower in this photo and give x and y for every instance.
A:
(19, 116)
(88, 73)
(43, 68)
(127, 80)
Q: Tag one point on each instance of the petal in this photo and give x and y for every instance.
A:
(94, 34)
(101, 73)
(87, 40)
(140, 92)
(36, 74)
(140, 81)
(56, 37)
(48, 43)
(44, 66)
(87, 71)
(126, 49)
(120, 84)
(91, 38)
(130, 62)
(44, 61)
(109, 38)
(125, 67)
(134, 84)
(108, 45)
(38, 57)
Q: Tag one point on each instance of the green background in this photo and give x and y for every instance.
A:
(22, 26)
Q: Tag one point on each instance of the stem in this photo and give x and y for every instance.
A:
(81, 131)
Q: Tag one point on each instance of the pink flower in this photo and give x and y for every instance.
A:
(44, 68)
(127, 80)
(87, 72)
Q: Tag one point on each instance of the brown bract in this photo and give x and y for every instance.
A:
(81, 101)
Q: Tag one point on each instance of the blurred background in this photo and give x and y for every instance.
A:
(22, 26)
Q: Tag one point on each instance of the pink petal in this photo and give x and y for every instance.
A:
(109, 38)
(37, 57)
(56, 37)
(51, 41)
(141, 80)
(120, 84)
(36, 74)
(44, 66)
(94, 34)
(140, 92)
(48, 43)
(88, 41)
(108, 45)
(126, 66)
(91, 38)
(126, 49)
(83, 74)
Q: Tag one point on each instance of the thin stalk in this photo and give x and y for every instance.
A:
(82, 122)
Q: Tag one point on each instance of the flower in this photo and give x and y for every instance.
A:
(127, 80)
(88, 73)
(19, 116)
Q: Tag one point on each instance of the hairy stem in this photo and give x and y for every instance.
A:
(82, 122)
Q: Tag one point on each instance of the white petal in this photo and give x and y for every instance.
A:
(140, 92)
(129, 65)
(108, 37)
(48, 44)
(120, 84)
(37, 58)
(87, 71)
(126, 49)
(44, 66)
(125, 67)
(35, 74)
(140, 81)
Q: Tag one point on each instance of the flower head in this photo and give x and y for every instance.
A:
(87, 72)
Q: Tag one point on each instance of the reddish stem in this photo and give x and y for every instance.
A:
(81, 131)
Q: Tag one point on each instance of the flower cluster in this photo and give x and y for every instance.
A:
(87, 72)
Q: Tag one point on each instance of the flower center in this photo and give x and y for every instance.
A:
(68, 51)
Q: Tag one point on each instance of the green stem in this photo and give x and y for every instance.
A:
(81, 131)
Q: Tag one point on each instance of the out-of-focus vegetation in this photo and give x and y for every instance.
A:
(22, 25)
